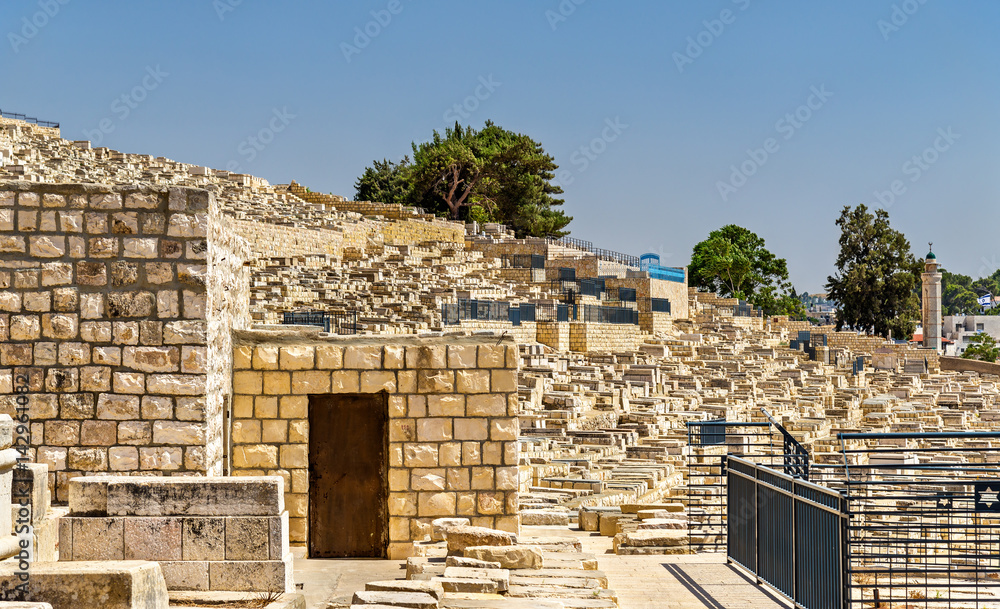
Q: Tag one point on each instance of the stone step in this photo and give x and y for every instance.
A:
(432, 588)
(467, 584)
(413, 600)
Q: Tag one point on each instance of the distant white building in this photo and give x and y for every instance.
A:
(961, 328)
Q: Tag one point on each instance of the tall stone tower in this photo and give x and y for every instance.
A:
(930, 304)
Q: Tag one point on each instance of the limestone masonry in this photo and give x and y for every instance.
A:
(176, 331)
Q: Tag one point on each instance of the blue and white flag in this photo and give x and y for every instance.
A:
(985, 300)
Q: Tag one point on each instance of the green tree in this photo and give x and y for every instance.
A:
(877, 277)
(384, 182)
(983, 347)
(734, 263)
(507, 174)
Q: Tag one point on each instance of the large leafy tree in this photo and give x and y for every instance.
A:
(384, 182)
(877, 276)
(735, 263)
(507, 176)
(983, 347)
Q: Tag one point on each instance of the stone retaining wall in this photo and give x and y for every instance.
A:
(587, 337)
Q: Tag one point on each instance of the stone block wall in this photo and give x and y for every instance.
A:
(652, 322)
(554, 334)
(587, 337)
(206, 533)
(270, 240)
(524, 333)
(453, 425)
(105, 293)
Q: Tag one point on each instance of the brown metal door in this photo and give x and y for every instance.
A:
(348, 465)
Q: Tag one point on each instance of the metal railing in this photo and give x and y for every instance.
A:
(547, 312)
(608, 315)
(710, 444)
(659, 305)
(788, 532)
(592, 287)
(335, 322)
(28, 119)
(487, 310)
(923, 518)
(602, 254)
(523, 261)
(745, 309)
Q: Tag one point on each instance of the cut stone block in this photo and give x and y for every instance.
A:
(509, 557)
(433, 588)
(131, 584)
(252, 575)
(414, 600)
(439, 525)
(189, 496)
(460, 538)
(544, 518)
(474, 563)
(467, 585)
(185, 575)
(500, 576)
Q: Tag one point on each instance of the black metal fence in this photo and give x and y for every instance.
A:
(488, 310)
(603, 254)
(710, 443)
(547, 312)
(745, 309)
(788, 532)
(592, 287)
(335, 322)
(28, 119)
(924, 518)
(523, 261)
(659, 305)
(607, 315)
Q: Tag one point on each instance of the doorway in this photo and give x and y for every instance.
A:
(348, 475)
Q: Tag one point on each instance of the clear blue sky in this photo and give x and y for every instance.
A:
(689, 88)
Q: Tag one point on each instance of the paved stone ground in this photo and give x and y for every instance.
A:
(685, 581)
(332, 583)
(699, 581)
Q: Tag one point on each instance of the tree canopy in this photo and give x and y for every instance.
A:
(877, 276)
(983, 347)
(506, 175)
(734, 262)
(960, 293)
